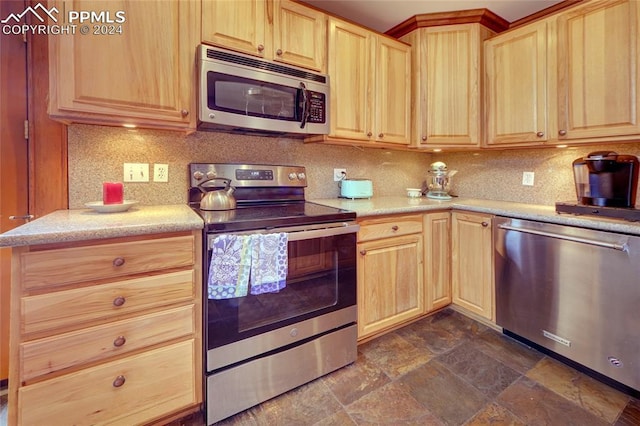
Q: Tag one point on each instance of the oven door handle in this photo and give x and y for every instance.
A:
(321, 233)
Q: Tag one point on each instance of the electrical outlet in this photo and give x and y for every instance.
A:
(527, 178)
(339, 174)
(161, 173)
(136, 172)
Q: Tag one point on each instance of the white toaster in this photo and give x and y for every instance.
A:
(356, 188)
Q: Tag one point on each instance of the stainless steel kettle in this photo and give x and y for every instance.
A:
(219, 199)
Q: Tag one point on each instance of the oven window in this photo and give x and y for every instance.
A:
(251, 97)
(321, 278)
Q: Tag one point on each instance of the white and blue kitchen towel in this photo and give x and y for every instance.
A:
(230, 266)
(269, 263)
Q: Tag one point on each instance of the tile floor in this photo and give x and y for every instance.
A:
(445, 370)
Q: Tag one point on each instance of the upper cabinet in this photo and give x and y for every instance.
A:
(573, 77)
(516, 86)
(140, 71)
(447, 85)
(278, 30)
(370, 86)
(598, 72)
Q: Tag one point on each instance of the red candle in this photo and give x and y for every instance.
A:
(112, 193)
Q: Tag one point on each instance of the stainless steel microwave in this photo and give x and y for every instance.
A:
(241, 93)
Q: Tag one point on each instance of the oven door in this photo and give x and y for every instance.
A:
(319, 296)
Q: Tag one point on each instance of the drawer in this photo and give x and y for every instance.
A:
(44, 356)
(155, 383)
(373, 229)
(73, 309)
(77, 264)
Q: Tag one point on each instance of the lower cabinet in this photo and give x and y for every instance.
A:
(437, 264)
(390, 273)
(113, 337)
(472, 263)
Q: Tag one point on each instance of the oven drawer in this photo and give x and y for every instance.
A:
(132, 390)
(374, 229)
(73, 309)
(86, 263)
(51, 354)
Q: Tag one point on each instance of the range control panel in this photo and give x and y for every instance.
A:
(248, 175)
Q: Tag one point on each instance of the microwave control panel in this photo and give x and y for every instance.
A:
(317, 107)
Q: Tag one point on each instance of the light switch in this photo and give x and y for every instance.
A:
(136, 172)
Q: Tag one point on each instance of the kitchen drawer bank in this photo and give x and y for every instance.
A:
(402, 205)
(106, 318)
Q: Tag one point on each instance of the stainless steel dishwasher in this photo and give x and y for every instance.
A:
(573, 291)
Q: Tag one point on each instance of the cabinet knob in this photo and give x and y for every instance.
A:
(119, 301)
(279, 52)
(540, 134)
(120, 340)
(184, 112)
(260, 47)
(394, 228)
(485, 224)
(363, 252)
(381, 135)
(562, 132)
(424, 138)
(369, 134)
(119, 381)
(118, 261)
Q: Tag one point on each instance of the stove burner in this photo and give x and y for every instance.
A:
(630, 214)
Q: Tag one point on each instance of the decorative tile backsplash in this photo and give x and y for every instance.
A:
(97, 154)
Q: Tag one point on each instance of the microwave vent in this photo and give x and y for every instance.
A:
(263, 65)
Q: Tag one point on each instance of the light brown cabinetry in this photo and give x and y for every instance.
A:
(570, 78)
(110, 335)
(472, 263)
(140, 71)
(446, 76)
(390, 272)
(372, 73)
(279, 30)
(437, 260)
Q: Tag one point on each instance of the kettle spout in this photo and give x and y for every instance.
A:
(230, 190)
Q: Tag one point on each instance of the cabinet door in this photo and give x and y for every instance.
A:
(598, 72)
(390, 285)
(392, 102)
(299, 35)
(472, 263)
(144, 75)
(437, 255)
(237, 25)
(516, 95)
(350, 79)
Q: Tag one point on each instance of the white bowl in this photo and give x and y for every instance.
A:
(414, 192)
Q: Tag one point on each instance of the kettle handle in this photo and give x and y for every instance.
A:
(227, 183)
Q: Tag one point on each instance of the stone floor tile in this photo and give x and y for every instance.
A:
(592, 395)
(393, 405)
(495, 415)
(446, 395)
(509, 351)
(341, 418)
(485, 373)
(537, 405)
(394, 355)
(631, 415)
(356, 380)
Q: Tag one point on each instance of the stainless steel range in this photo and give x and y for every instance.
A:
(261, 341)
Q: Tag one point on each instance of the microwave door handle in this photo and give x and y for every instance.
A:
(306, 105)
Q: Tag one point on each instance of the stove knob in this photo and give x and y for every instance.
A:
(302, 176)
(198, 175)
(211, 174)
(292, 176)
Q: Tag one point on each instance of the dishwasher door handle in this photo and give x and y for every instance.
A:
(616, 246)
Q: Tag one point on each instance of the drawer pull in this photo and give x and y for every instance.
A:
(363, 252)
(120, 340)
(485, 224)
(119, 381)
(118, 261)
(394, 228)
(119, 301)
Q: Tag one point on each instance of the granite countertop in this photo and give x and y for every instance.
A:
(396, 205)
(86, 224)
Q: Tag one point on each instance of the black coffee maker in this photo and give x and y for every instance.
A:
(606, 179)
